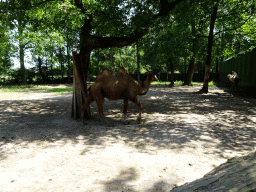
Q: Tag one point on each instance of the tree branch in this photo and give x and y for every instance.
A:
(79, 5)
(166, 7)
(106, 42)
(26, 5)
(235, 27)
(41, 3)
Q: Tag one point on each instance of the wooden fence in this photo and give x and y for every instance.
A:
(245, 66)
(197, 77)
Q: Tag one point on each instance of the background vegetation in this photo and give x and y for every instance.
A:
(43, 34)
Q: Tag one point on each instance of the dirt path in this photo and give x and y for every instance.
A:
(184, 135)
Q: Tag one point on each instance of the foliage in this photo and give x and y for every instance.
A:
(233, 28)
(6, 50)
(173, 40)
(46, 27)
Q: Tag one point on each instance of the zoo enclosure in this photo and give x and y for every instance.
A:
(245, 66)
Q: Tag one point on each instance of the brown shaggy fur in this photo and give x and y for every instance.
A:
(122, 86)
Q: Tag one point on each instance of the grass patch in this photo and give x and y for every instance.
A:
(60, 90)
(211, 83)
(15, 87)
(160, 83)
(34, 89)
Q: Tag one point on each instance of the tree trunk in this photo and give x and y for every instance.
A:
(191, 67)
(22, 64)
(138, 63)
(51, 66)
(51, 72)
(40, 69)
(47, 74)
(21, 26)
(80, 67)
(61, 62)
(209, 51)
(68, 72)
(172, 73)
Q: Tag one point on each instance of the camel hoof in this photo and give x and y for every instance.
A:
(139, 119)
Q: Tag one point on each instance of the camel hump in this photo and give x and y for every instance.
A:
(121, 72)
(104, 71)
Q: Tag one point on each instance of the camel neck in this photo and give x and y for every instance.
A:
(145, 86)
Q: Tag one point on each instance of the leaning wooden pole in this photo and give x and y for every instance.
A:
(79, 87)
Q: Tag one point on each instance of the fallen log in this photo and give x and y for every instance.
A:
(238, 174)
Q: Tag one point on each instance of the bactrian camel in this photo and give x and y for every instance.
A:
(122, 86)
(234, 80)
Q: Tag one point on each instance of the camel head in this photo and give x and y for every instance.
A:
(151, 76)
(121, 72)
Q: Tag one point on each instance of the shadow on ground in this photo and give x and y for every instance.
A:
(174, 119)
(172, 116)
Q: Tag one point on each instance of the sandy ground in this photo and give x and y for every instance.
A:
(183, 136)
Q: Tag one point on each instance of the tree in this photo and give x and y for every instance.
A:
(6, 50)
(18, 18)
(129, 31)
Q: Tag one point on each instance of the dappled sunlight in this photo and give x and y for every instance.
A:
(157, 97)
(180, 130)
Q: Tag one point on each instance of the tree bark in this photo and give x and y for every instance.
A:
(80, 67)
(138, 63)
(209, 51)
(22, 46)
(51, 72)
(51, 66)
(22, 63)
(68, 72)
(237, 174)
(191, 67)
(172, 73)
(61, 62)
(40, 69)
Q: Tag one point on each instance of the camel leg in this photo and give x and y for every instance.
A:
(100, 102)
(125, 111)
(125, 107)
(137, 102)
